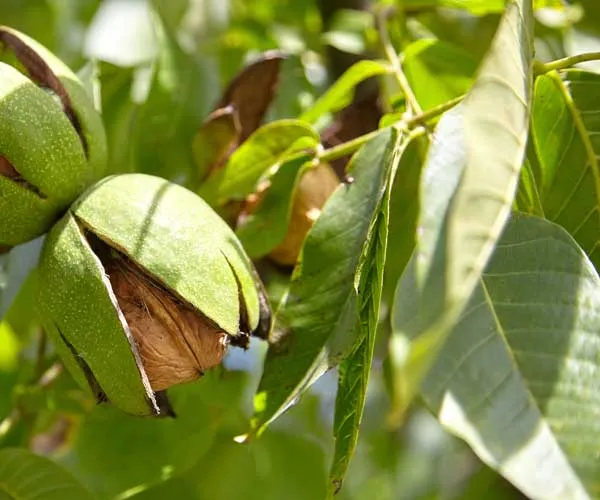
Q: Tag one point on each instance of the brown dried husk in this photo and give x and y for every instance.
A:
(314, 189)
(175, 342)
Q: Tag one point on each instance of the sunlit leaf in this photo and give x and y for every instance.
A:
(267, 148)
(517, 377)
(468, 185)
(437, 71)
(166, 120)
(340, 94)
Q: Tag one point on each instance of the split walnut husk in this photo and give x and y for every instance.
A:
(142, 287)
(176, 344)
(52, 141)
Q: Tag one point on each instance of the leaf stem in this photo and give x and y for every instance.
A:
(349, 147)
(394, 60)
(346, 148)
(541, 68)
(430, 114)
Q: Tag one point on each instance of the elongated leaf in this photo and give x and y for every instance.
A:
(25, 476)
(263, 230)
(566, 133)
(268, 147)
(317, 321)
(517, 377)
(355, 369)
(468, 186)
(340, 93)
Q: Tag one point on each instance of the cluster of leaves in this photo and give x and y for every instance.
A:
(454, 266)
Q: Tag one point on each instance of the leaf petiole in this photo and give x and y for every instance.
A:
(541, 68)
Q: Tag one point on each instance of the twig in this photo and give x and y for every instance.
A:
(541, 68)
(349, 147)
(390, 53)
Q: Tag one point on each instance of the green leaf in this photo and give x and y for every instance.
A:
(355, 369)
(166, 120)
(118, 115)
(317, 321)
(404, 213)
(114, 452)
(279, 465)
(468, 185)
(25, 476)
(267, 148)
(263, 230)
(340, 94)
(565, 130)
(517, 377)
(437, 71)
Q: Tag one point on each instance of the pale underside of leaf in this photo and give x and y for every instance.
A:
(517, 376)
(467, 190)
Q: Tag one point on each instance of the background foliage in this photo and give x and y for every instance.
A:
(477, 356)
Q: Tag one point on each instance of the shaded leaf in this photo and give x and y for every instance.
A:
(279, 465)
(267, 148)
(404, 213)
(316, 324)
(355, 369)
(252, 90)
(517, 376)
(26, 476)
(115, 452)
(468, 185)
(340, 94)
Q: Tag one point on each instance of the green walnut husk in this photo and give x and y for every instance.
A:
(143, 286)
(52, 141)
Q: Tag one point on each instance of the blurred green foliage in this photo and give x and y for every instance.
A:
(157, 69)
